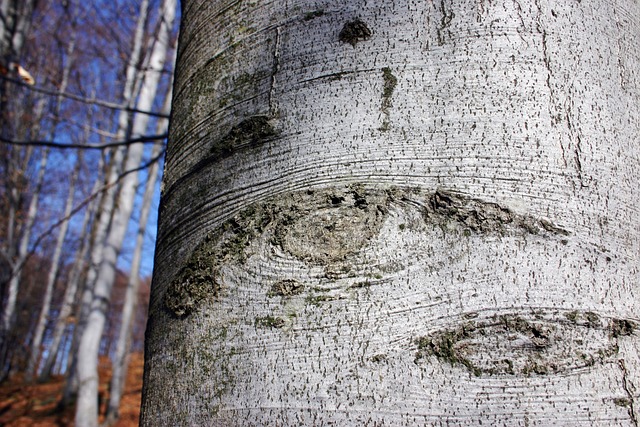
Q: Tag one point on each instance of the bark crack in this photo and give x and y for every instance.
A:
(545, 58)
(445, 21)
(555, 118)
(622, 68)
(273, 106)
(628, 388)
(335, 76)
(555, 106)
(522, 27)
(578, 152)
(481, 9)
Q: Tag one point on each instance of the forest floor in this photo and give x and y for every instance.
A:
(36, 405)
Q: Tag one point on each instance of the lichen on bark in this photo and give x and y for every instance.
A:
(481, 217)
(389, 85)
(523, 343)
(335, 225)
(200, 278)
(195, 282)
(285, 288)
(248, 133)
(354, 31)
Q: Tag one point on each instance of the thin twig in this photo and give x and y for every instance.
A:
(81, 205)
(90, 101)
(156, 139)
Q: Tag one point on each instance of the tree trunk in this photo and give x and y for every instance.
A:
(80, 275)
(52, 275)
(69, 297)
(36, 342)
(123, 346)
(103, 221)
(9, 309)
(400, 213)
(87, 404)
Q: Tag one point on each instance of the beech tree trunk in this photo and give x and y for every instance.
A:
(400, 213)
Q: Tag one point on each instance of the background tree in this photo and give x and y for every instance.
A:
(399, 213)
(81, 88)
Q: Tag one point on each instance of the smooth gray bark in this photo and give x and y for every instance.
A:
(400, 213)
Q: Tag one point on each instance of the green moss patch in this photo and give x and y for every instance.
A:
(621, 327)
(196, 282)
(269, 322)
(334, 226)
(199, 280)
(389, 84)
(313, 15)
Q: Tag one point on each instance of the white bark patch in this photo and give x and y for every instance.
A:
(439, 286)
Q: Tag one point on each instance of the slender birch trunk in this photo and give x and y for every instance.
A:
(400, 213)
(38, 334)
(32, 367)
(8, 313)
(69, 299)
(117, 160)
(87, 404)
(99, 228)
(107, 203)
(123, 346)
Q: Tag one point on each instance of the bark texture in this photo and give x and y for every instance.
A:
(400, 213)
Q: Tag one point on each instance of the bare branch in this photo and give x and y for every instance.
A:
(155, 139)
(90, 101)
(82, 204)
